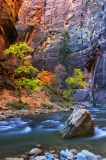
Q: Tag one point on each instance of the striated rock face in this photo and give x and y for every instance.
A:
(12, 7)
(42, 21)
(8, 34)
(99, 80)
(79, 123)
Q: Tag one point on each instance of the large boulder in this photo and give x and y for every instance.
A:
(80, 123)
(80, 95)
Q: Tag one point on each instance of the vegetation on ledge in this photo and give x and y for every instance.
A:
(23, 73)
(58, 85)
(17, 105)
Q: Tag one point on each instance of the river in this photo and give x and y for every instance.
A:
(19, 135)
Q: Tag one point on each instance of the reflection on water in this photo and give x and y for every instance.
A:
(18, 135)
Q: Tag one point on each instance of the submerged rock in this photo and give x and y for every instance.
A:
(80, 123)
(86, 155)
(39, 158)
(35, 151)
(66, 153)
(49, 156)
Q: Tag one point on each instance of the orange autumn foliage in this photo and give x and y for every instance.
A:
(45, 77)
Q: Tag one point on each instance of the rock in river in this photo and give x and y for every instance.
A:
(35, 151)
(80, 123)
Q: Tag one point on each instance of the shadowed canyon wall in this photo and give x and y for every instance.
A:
(8, 35)
(41, 22)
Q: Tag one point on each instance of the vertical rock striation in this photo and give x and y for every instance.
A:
(42, 21)
(99, 80)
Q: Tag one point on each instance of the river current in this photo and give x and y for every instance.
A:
(19, 135)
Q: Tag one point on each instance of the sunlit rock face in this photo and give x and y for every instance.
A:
(42, 21)
(8, 35)
(8, 15)
(13, 8)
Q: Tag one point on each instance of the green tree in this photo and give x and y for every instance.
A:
(23, 73)
(75, 82)
(64, 51)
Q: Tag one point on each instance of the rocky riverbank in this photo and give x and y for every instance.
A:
(39, 153)
(18, 113)
(5, 112)
(34, 101)
(67, 154)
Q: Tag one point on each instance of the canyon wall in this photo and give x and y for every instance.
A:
(99, 78)
(8, 35)
(41, 22)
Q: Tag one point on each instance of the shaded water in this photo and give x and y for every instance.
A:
(19, 135)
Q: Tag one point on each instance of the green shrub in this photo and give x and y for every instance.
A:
(23, 73)
(75, 82)
(64, 103)
(17, 105)
(47, 106)
(87, 1)
(64, 50)
(67, 94)
(55, 95)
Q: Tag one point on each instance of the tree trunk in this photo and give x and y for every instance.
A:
(20, 94)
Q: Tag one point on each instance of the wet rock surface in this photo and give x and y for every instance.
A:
(59, 152)
(62, 155)
(79, 123)
(40, 23)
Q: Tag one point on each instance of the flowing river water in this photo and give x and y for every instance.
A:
(19, 135)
